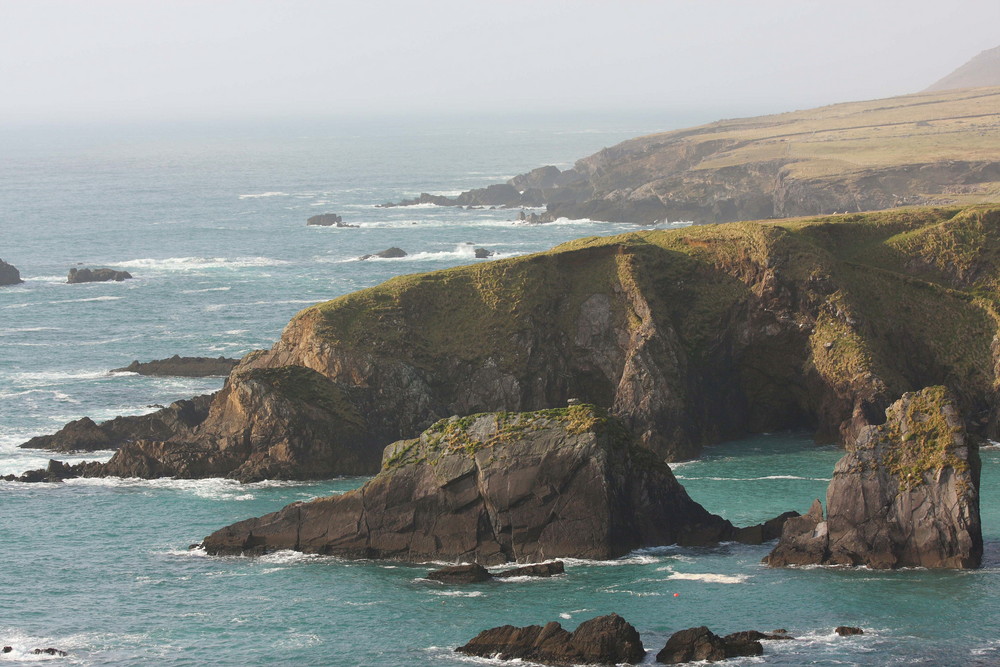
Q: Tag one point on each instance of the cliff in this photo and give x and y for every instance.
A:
(495, 488)
(928, 148)
(690, 336)
(905, 495)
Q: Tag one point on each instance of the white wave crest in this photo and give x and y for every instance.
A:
(200, 263)
(458, 594)
(754, 479)
(94, 298)
(207, 289)
(707, 577)
(262, 195)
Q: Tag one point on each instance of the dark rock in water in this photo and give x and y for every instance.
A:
(905, 495)
(702, 644)
(535, 570)
(755, 636)
(483, 253)
(178, 366)
(9, 275)
(49, 651)
(388, 253)
(96, 275)
(495, 488)
(847, 630)
(461, 574)
(329, 220)
(605, 640)
(8, 649)
(83, 435)
(765, 532)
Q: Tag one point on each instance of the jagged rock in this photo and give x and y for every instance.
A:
(483, 253)
(495, 488)
(905, 495)
(535, 570)
(178, 366)
(702, 644)
(96, 275)
(329, 220)
(605, 640)
(9, 275)
(461, 574)
(847, 630)
(83, 435)
(49, 651)
(388, 253)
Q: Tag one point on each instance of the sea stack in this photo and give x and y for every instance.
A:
(495, 488)
(905, 495)
(9, 275)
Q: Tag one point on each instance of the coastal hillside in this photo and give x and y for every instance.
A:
(980, 72)
(690, 336)
(940, 148)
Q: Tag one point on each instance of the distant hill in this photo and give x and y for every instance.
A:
(928, 148)
(981, 71)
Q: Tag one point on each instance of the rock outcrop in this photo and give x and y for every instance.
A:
(905, 495)
(178, 366)
(388, 253)
(496, 488)
(328, 220)
(605, 640)
(695, 644)
(471, 573)
(96, 275)
(9, 275)
(852, 157)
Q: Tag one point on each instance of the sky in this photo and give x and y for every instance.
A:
(67, 61)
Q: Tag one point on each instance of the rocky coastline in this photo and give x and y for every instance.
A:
(178, 366)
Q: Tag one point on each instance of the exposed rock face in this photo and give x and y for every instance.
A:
(702, 644)
(905, 495)
(496, 488)
(96, 275)
(83, 435)
(791, 164)
(328, 220)
(605, 640)
(388, 253)
(178, 366)
(9, 275)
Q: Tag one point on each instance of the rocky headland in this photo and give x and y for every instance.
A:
(9, 275)
(905, 495)
(690, 336)
(96, 275)
(496, 488)
(928, 148)
(178, 366)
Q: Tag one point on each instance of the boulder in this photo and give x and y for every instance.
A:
(494, 488)
(328, 220)
(549, 569)
(470, 573)
(96, 275)
(605, 640)
(702, 644)
(9, 275)
(388, 253)
(905, 495)
(483, 253)
(847, 631)
(178, 366)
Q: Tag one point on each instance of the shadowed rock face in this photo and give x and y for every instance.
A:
(905, 495)
(496, 488)
(605, 640)
(9, 275)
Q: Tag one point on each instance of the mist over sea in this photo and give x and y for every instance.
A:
(210, 219)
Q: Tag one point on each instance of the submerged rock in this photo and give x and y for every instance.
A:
(9, 275)
(178, 366)
(549, 569)
(605, 640)
(905, 495)
(96, 275)
(701, 643)
(495, 488)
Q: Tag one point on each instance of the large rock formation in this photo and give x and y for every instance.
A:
(496, 488)
(700, 643)
(690, 336)
(9, 275)
(859, 156)
(605, 640)
(905, 495)
(178, 366)
(983, 70)
(96, 275)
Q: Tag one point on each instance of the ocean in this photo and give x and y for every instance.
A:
(210, 219)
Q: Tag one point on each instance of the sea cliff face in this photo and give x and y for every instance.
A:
(689, 336)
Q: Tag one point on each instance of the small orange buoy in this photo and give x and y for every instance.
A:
(677, 595)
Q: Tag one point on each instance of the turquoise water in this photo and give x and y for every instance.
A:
(212, 224)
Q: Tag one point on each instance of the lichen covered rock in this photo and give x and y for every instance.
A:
(905, 495)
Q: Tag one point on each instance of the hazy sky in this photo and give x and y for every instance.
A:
(140, 59)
